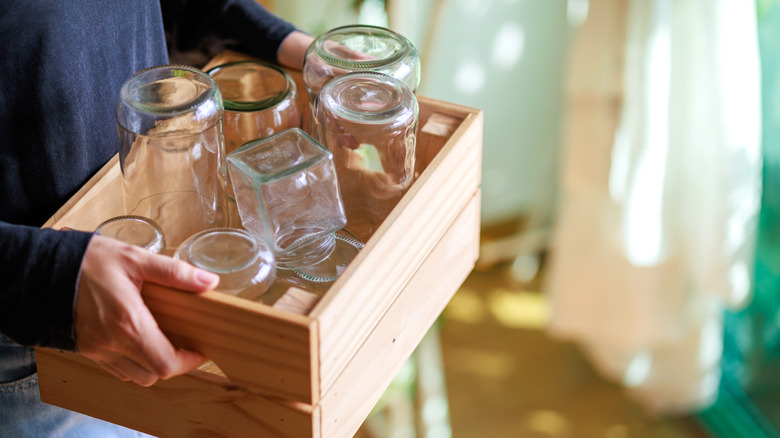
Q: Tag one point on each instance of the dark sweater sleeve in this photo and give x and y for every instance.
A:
(241, 25)
(40, 269)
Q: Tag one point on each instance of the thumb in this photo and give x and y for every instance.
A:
(167, 271)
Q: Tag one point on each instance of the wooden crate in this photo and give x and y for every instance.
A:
(305, 372)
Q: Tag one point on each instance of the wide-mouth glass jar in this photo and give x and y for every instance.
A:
(358, 48)
(134, 230)
(172, 158)
(245, 265)
(288, 195)
(368, 121)
(260, 100)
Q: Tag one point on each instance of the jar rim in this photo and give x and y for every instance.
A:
(257, 105)
(256, 249)
(139, 79)
(405, 47)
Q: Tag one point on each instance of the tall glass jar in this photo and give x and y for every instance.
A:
(172, 150)
(260, 100)
(357, 48)
(369, 122)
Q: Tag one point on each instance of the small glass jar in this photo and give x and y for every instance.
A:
(134, 230)
(287, 195)
(245, 265)
(260, 100)
(169, 121)
(357, 48)
(369, 122)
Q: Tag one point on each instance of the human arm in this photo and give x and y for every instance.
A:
(241, 25)
(103, 317)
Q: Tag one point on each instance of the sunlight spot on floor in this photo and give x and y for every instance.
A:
(467, 307)
(483, 364)
(616, 431)
(513, 309)
(550, 423)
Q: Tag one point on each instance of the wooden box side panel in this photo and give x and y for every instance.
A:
(363, 381)
(352, 308)
(251, 343)
(195, 405)
(97, 200)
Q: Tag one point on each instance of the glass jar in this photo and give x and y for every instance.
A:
(245, 265)
(357, 48)
(369, 122)
(169, 121)
(287, 195)
(134, 230)
(260, 100)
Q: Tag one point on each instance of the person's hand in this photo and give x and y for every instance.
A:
(293, 49)
(113, 326)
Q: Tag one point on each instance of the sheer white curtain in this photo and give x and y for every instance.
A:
(660, 192)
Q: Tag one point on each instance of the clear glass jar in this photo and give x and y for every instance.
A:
(134, 230)
(169, 121)
(245, 265)
(287, 195)
(357, 48)
(260, 100)
(369, 122)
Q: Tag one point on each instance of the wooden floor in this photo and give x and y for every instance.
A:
(506, 378)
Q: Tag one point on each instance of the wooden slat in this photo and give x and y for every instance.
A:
(362, 381)
(196, 405)
(97, 200)
(253, 344)
(364, 292)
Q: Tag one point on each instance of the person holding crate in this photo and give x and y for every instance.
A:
(60, 75)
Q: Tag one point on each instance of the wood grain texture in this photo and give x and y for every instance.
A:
(98, 200)
(363, 380)
(204, 405)
(197, 405)
(253, 344)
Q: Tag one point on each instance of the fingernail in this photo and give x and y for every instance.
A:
(206, 278)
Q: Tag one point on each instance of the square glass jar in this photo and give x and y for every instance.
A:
(288, 195)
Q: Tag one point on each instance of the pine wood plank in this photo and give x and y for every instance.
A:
(362, 382)
(253, 344)
(197, 405)
(94, 202)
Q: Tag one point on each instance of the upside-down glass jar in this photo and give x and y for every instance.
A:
(357, 48)
(134, 230)
(288, 196)
(169, 122)
(260, 100)
(245, 265)
(369, 122)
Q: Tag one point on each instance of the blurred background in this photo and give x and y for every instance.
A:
(627, 284)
